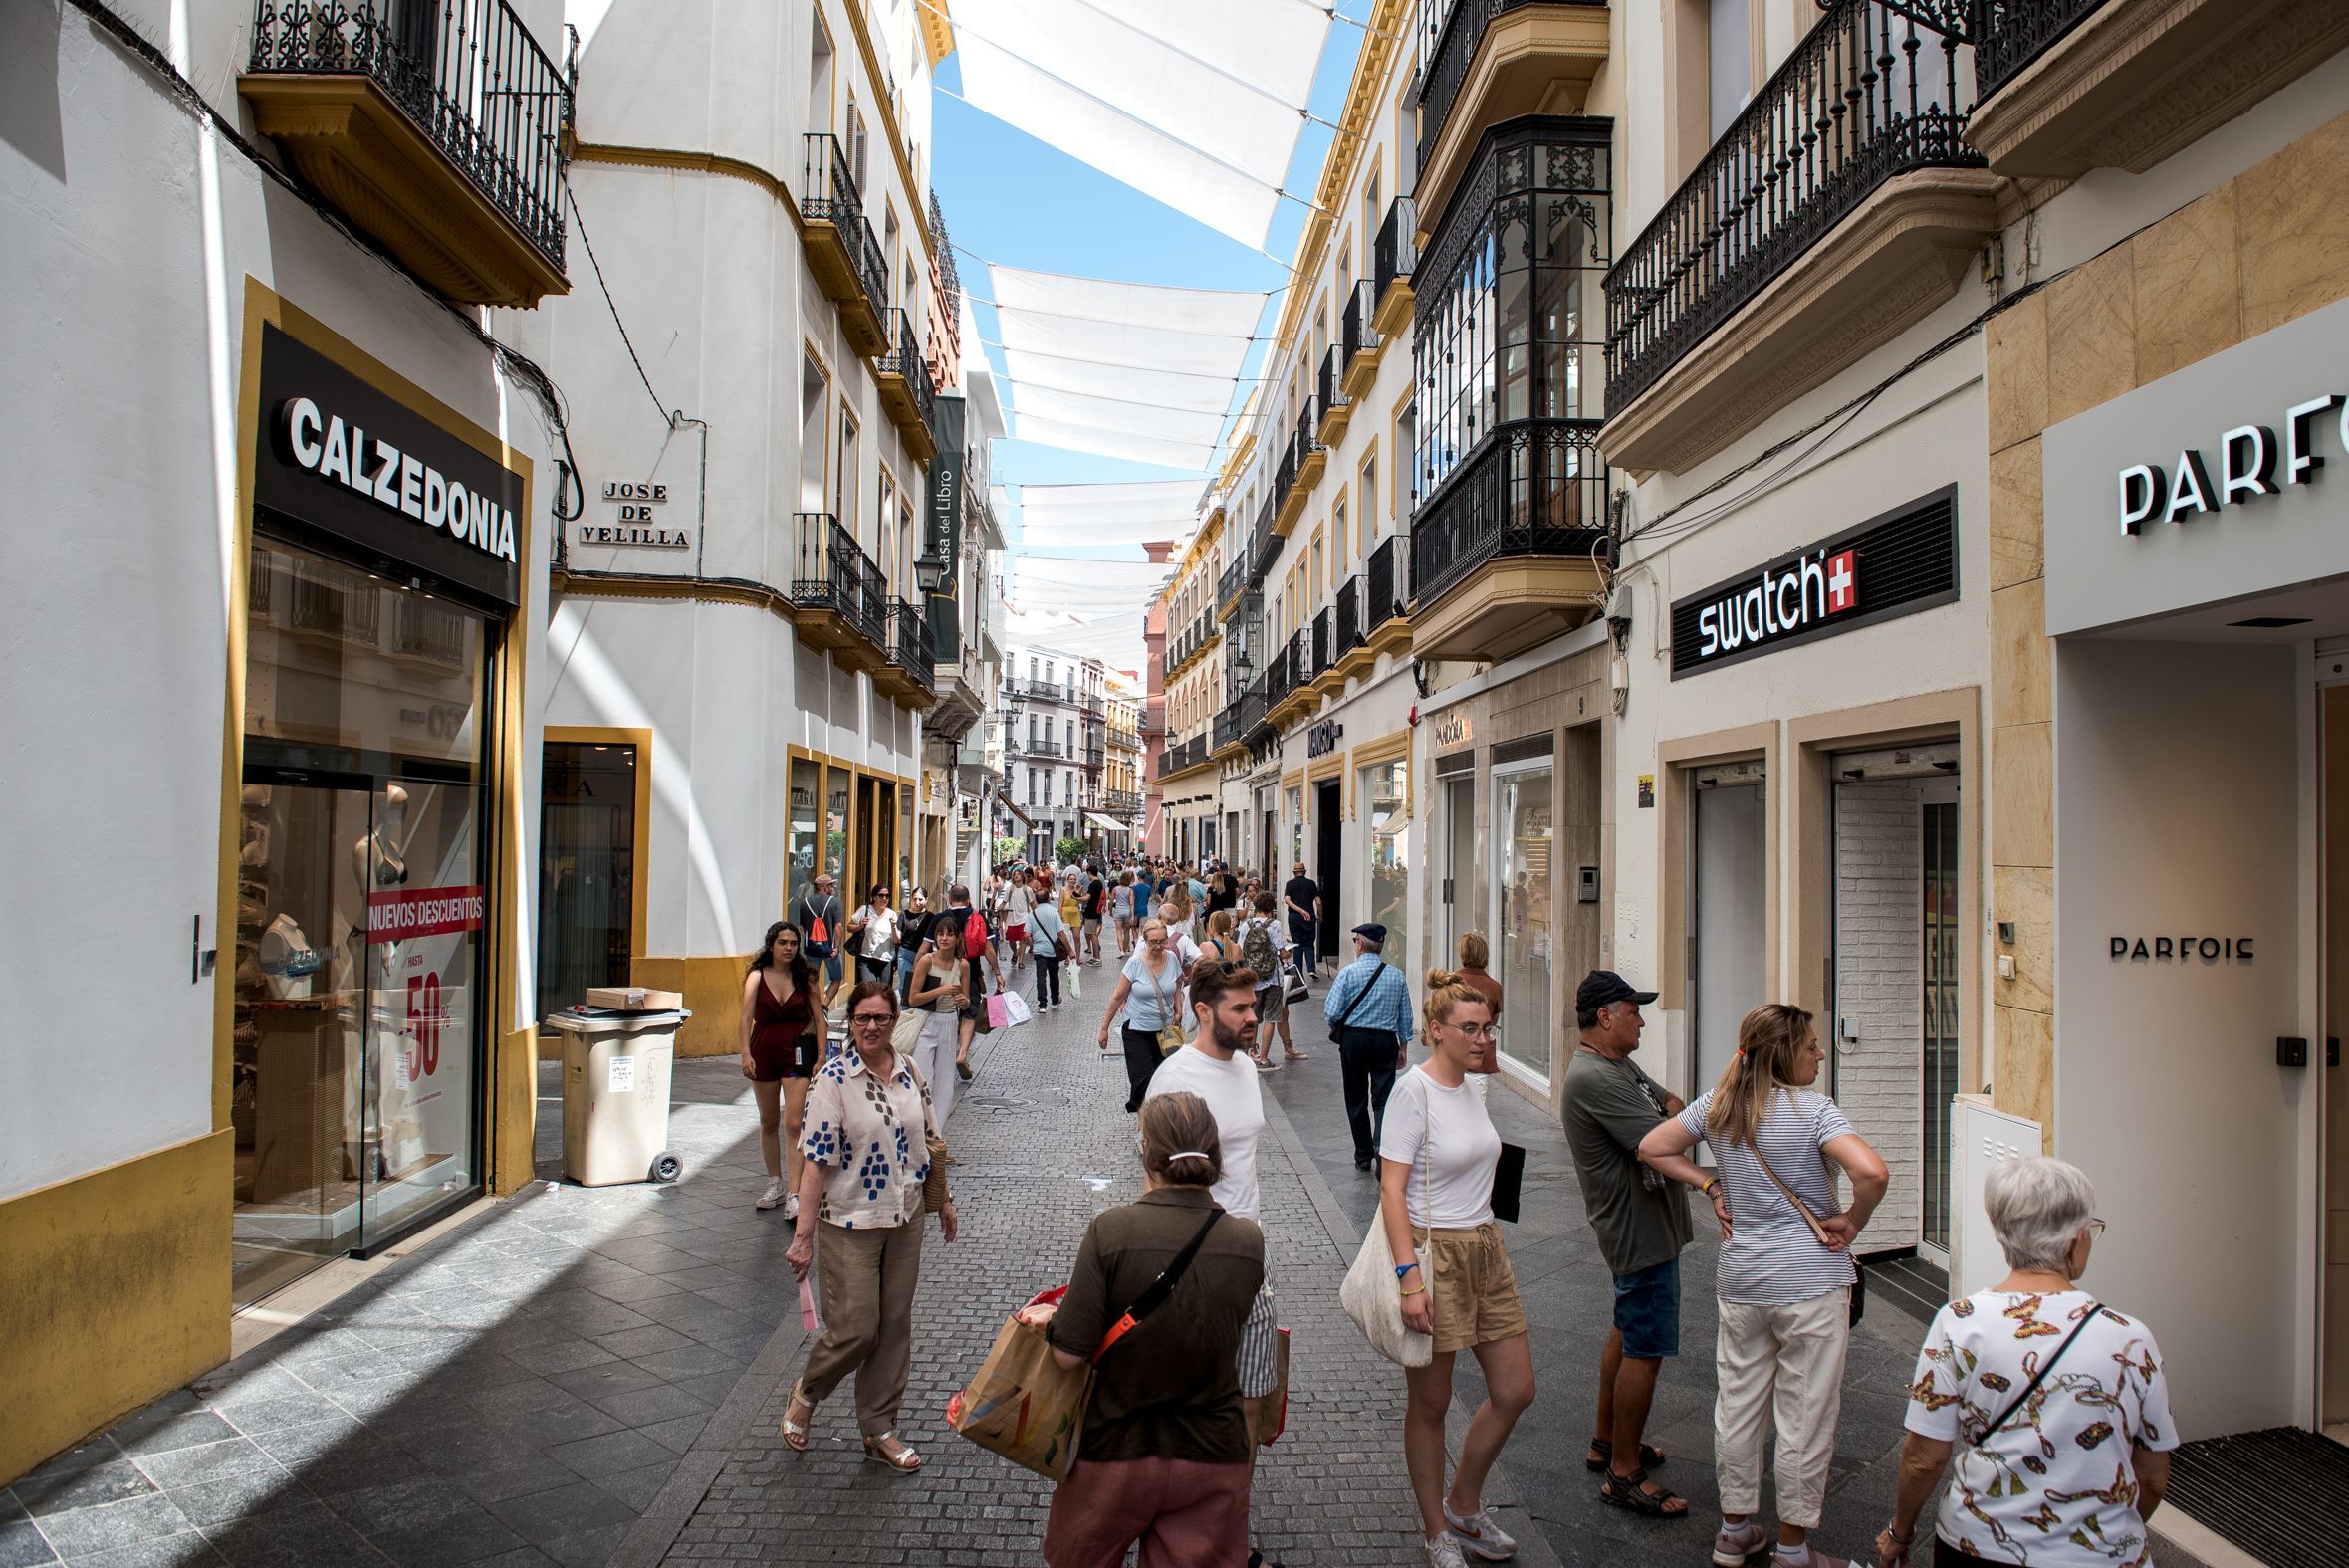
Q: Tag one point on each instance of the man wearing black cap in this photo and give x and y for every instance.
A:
(1369, 1013)
(1642, 1222)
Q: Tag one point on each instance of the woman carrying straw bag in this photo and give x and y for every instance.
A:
(1438, 1149)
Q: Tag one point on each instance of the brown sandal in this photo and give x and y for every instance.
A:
(1633, 1493)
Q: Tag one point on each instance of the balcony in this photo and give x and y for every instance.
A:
(1394, 260)
(1494, 60)
(1264, 543)
(1302, 459)
(1184, 757)
(1231, 587)
(1288, 693)
(1361, 339)
(1324, 644)
(842, 254)
(1251, 713)
(1042, 691)
(838, 598)
(2068, 85)
(1507, 551)
(1048, 749)
(1225, 733)
(1387, 597)
(902, 377)
(1351, 652)
(909, 676)
(1842, 207)
(437, 129)
(1096, 704)
(1125, 805)
(1329, 396)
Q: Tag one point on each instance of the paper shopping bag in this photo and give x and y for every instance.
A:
(1023, 1404)
(998, 1014)
(1016, 1009)
(1074, 976)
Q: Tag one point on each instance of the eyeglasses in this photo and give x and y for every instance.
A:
(2095, 1227)
(874, 1021)
(1478, 1032)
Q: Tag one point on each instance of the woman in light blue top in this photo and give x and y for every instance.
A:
(1150, 994)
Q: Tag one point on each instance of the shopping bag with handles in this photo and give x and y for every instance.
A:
(1024, 1405)
(1015, 1006)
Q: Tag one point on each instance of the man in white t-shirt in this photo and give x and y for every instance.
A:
(1216, 1066)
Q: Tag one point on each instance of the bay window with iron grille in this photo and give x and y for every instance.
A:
(1508, 347)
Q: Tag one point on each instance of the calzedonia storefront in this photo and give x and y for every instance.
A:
(368, 969)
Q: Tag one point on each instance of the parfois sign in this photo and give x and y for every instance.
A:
(1903, 561)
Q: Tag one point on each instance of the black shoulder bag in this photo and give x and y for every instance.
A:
(1151, 1299)
(1337, 1030)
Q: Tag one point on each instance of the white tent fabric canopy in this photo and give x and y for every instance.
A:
(1119, 344)
(1123, 415)
(1108, 301)
(1138, 529)
(1110, 443)
(1208, 395)
(1154, 499)
(1198, 104)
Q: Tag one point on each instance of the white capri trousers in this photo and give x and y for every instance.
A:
(933, 1059)
(1780, 1366)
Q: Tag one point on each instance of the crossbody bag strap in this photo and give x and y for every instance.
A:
(1154, 1297)
(1818, 1232)
(2039, 1377)
(1360, 997)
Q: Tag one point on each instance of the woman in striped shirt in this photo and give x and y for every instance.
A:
(1785, 1270)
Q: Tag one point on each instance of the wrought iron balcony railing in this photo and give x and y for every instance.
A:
(1303, 445)
(1264, 545)
(1093, 755)
(1047, 747)
(467, 72)
(1329, 386)
(1227, 728)
(1123, 802)
(1231, 583)
(833, 573)
(1867, 95)
(828, 191)
(1385, 595)
(906, 361)
(1455, 49)
(1349, 618)
(909, 643)
(2007, 35)
(1028, 689)
(1251, 709)
(1358, 337)
(1324, 646)
(1396, 255)
(1535, 487)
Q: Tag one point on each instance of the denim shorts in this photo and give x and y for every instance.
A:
(1647, 1311)
(827, 956)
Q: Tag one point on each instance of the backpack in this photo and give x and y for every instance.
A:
(1257, 950)
(975, 932)
(818, 934)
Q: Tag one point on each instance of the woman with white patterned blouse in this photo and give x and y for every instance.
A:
(2058, 1402)
(867, 1147)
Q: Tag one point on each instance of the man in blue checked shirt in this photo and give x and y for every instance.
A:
(1369, 1013)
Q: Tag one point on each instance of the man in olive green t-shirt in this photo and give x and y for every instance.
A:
(1642, 1222)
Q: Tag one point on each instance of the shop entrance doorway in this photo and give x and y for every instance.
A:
(1329, 841)
(1460, 867)
(2333, 1313)
(1728, 910)
(587, 868)
(361, 903)
(1893, 974)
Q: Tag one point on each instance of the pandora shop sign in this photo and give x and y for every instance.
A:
(2227, 478)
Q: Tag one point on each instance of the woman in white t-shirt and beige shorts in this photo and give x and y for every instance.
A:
(1438, 1151)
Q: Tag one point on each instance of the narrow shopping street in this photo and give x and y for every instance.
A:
(598, 1376)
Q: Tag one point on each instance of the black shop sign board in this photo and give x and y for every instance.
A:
(340, 455)
(1895, 564)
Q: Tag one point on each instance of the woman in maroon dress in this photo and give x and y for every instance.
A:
(782, 1047)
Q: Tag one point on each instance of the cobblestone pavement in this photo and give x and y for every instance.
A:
(1042, 1144)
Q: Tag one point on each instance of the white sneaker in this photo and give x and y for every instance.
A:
(1444, 1552)
(1479, 1535)
(791, 1207)
(773, 1195)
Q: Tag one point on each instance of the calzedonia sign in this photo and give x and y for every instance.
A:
(340, 455)
(1893, 565)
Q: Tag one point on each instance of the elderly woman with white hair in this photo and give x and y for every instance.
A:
(2056, 1403)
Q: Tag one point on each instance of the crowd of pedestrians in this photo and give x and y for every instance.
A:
(2048, 1408)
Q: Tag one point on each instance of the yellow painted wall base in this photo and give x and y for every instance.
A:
(713, 992)
(114, 1289)
(513, 1111)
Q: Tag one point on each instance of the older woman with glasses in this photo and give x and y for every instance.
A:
(862, 1189)
(2054, 1404)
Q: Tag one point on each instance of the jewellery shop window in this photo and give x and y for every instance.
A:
(360, 912)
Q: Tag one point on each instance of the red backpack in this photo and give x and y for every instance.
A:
(975, 932)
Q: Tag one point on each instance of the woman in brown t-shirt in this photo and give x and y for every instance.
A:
(1164, 1458)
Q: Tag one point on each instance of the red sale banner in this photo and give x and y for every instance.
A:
(423, 912)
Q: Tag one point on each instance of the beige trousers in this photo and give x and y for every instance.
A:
(865, 1282)
(1780, 1366)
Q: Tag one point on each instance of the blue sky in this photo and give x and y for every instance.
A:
(1013, 199)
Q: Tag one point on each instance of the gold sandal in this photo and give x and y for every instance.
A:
(795, 1433)
(905, 1461)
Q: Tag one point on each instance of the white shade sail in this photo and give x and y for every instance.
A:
(1123, 415)
(1198, 104)
(1154, 498)
(1138, 529)
(1136, 344)
(1212, 313)
(1112, 444)
(1166, 388)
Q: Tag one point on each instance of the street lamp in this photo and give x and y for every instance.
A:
(930, 573)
